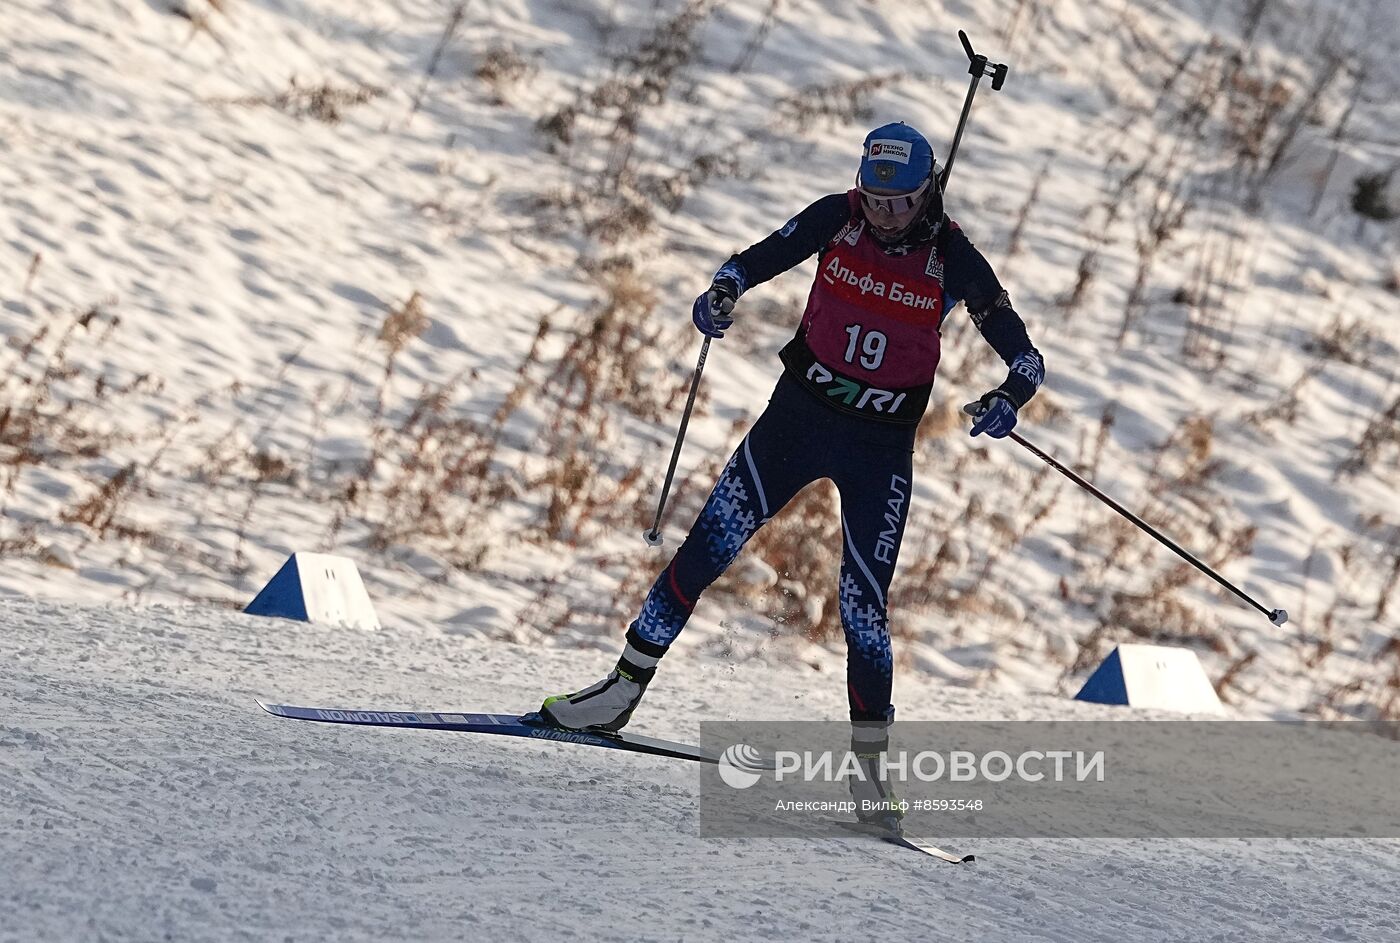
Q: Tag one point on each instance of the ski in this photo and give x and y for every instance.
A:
(529, 726)
(904, 841)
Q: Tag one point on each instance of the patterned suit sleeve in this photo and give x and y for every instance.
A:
(969, 278)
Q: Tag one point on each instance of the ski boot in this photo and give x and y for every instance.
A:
(877, 804)
(608, 704)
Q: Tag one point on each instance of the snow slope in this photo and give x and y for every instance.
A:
(249, 247)
(143, 795)
(251, 244)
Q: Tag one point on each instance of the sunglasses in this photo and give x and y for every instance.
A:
(894, 205)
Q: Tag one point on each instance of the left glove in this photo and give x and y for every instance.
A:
(995, 415)
(713, 311)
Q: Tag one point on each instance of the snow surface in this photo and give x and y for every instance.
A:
(239, 258)
(144, 796)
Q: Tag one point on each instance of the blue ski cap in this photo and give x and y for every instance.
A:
(896, 158)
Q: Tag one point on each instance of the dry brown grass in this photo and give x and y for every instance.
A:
(322, 102)
(837, 103)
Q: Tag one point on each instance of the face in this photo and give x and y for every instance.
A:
(892, 211)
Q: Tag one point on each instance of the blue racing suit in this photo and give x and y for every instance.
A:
(826, 420)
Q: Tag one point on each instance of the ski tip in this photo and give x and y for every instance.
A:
(270, 708)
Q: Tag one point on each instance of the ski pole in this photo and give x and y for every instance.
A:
(653, 537)
(1276, 616)
(978, 66)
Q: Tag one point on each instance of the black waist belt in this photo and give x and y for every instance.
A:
(849, 395)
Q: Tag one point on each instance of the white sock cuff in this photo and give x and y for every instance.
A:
(637, 658)
(875, 731)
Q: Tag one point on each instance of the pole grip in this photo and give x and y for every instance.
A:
(978, 66)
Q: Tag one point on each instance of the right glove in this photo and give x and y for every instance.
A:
(995, 415)
(712, 311)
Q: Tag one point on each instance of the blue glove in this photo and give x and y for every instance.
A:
(712, 311)
(994, 413)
